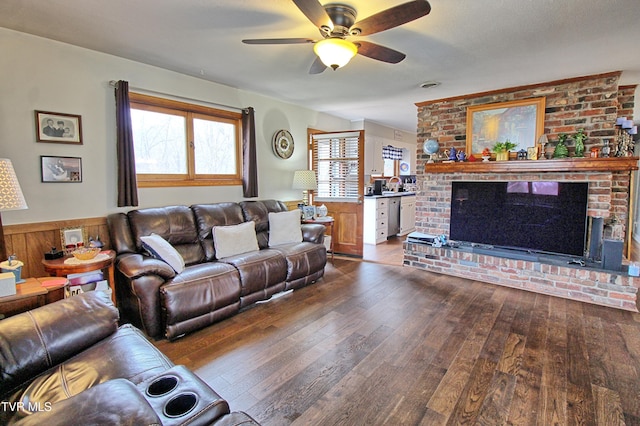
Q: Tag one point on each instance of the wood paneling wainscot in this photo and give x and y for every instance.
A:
(29, 241)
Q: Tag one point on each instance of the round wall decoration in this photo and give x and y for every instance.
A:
(283, 144)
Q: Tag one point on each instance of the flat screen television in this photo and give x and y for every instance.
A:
(538, 216)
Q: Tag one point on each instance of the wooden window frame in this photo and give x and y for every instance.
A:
(190, 111)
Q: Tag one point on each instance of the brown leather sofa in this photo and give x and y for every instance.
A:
(69, 363)
(161, 302)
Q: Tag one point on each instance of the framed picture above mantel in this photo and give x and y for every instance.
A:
(521, 122)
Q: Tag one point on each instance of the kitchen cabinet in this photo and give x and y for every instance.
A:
(376, 212)
(407, 214)
(373, 162)
(387, 216)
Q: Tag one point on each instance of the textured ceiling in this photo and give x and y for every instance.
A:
(468, 46)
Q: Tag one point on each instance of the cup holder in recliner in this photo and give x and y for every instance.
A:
(162, 386)
(180, 404)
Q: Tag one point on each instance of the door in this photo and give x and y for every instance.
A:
(337, 159)
(394, 216)
(407, 214)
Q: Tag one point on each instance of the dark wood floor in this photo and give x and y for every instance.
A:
(375, 344)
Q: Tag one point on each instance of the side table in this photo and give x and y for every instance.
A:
(58, 268)
(30, 295)
(328, 223)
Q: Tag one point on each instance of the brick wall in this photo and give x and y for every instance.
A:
(608, 197)
(592, 103)
(599, 287)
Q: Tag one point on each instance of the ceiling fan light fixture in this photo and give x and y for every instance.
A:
(335, 52)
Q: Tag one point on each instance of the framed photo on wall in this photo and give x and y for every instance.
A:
(61, 169)
(56, 127)
(521, 122)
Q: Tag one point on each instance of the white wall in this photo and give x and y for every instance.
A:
(40, 74)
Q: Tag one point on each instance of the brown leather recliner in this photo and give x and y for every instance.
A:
(162, 303)
(69, 363)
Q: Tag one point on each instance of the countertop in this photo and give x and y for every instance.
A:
(391, 194)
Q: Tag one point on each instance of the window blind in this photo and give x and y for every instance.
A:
(336, 162)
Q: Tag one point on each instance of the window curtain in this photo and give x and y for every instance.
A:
(391, 153)
(249, 163)
(127, 183)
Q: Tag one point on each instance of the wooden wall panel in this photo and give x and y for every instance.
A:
(292, 205)
(31, 240)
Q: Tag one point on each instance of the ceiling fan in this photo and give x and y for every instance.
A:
(337, 21)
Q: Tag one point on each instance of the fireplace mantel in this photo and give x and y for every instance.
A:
(613, 164)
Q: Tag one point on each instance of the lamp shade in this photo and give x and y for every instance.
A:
(305, 179)
(11, 197)
(335, 52)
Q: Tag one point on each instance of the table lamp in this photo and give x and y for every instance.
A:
(305, 180)
(11, 197)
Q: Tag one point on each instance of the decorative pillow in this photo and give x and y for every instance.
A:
(284, 227)
(159, 248)
(234, 239)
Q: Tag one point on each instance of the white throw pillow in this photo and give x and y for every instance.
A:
(234, 239)
(159, 248)
(284, 227)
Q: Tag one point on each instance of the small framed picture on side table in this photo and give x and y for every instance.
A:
(72, 238)
(309, 212)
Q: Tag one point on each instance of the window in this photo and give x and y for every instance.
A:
(336, 160)
(181, 144)
(391, 167)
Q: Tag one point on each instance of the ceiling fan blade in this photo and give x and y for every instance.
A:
(317, 67)
(380, 53)
(277, 40)
(393, 17)
(315, 12)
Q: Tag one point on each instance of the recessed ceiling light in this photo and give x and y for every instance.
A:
(429, 84)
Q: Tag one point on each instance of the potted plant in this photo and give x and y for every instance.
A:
(502, 150)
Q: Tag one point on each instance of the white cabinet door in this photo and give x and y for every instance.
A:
(378, 161)
(373, 162)
(407, 214)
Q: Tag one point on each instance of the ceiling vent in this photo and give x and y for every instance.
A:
(429, 84)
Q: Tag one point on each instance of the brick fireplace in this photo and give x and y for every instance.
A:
(592, 103)
(608, 196)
